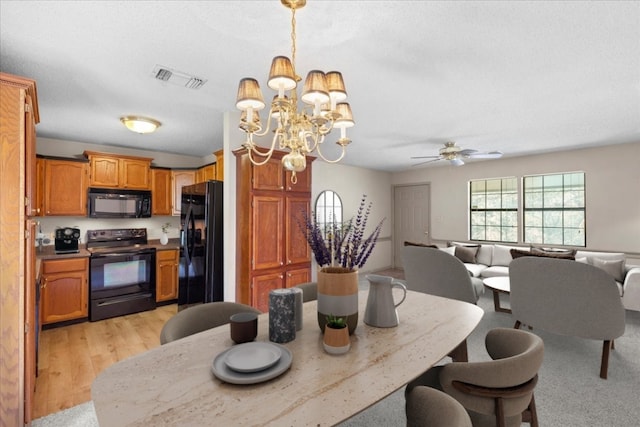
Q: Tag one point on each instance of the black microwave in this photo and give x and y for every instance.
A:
(116, 203)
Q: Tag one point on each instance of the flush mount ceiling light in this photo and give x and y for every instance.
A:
(301, 131)
(140, 124)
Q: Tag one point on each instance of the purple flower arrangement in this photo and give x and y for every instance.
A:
(342, 245)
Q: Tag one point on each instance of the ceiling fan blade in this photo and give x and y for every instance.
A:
(457, 162)
(467, 152)
(427, 157)
(489, 155)
(428, 161)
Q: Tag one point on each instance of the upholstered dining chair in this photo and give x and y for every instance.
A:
(429, 407)
(199, 318)
(567, 298)
(309, 291)
(498, 392)
(433, 271)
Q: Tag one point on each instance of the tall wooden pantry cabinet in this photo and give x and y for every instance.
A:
(18, 117)
(271, 251)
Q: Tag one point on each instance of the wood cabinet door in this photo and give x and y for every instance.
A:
(39, 197)
(303, 180)
(134, 174)
(105, 171)
(65, 188)
(65, 290)
(161, 191)
(267, 232)
(297, 276)
(166, 275)
(30, 176)
(206, 173)
(180, 179)
(269, 176)
(261, 285)
(297, 248)
(219, 165)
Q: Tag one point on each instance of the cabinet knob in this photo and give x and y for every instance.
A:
(281, 263)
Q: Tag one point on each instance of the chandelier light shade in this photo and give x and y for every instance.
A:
(299, 129)
(140, 124)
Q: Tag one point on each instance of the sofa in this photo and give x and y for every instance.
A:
(491, 260)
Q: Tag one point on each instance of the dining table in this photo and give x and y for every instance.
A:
(174, 384)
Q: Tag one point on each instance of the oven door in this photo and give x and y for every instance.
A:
(122, 273)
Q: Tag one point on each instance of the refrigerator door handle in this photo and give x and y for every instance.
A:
(188, 242)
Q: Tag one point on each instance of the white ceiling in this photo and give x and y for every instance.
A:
(520, 77)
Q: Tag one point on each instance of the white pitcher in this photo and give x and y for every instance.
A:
(381, 308)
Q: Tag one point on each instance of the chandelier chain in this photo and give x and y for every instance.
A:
(293, 41)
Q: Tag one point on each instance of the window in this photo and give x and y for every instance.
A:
(328, 210)
(554, 209)
(494, 209)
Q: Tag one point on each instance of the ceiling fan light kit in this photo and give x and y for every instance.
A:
(299, 130)
(454, 154)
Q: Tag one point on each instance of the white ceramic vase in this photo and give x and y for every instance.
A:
(164, 239)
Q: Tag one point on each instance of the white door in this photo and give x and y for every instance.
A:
(410, 217)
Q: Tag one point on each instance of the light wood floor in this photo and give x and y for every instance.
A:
(70, 357)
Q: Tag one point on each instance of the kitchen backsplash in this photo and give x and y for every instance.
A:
(48, 225)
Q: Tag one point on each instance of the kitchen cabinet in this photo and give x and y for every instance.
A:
(18, 118)
(118, 171)
(161, 191)
(219, 165)
(206, 173)
(64, 288)
(39, 195)
(181, 177)
(167, 275)
(65, 187)
(272, 251)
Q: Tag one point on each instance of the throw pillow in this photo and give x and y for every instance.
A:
(419, 244)
(614, 268)
(517, 253)
(466, 253)
(451, 250)
(555, 253)
(501, 255)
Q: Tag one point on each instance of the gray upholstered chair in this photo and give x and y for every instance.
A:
(433, 271)
(567, 298)
(429, 407)
(498, 392)
(199, 318)
(309, 291)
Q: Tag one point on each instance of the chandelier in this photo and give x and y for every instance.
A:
(299, 130)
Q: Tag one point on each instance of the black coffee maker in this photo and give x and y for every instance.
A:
(66, 241)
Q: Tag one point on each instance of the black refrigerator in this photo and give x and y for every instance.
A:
(201, 244)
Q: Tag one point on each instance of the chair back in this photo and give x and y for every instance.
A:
(566, 297)
(433, 271)
(199, 318)
(511, 375)
(309, 291)
(428, 407)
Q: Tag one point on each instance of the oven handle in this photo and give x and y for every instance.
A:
(114, 254)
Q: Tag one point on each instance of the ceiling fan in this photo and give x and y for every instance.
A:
(455, 154)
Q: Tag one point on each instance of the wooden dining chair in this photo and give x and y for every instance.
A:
(201, 317)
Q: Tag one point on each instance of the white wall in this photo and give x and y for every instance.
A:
(612, 199)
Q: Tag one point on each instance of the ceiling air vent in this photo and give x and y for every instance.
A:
(177, 78)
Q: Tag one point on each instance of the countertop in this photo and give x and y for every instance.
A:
(48, 252)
